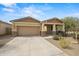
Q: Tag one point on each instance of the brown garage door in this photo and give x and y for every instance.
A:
(29, 30)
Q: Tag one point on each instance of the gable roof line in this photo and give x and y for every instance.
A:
(24, 18)
(55, 18)
(5, 22)
(36, 19)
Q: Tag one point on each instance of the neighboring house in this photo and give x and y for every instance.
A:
(4, 28)
(30, 26)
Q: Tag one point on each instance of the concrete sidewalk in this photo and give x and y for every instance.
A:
(30, 46)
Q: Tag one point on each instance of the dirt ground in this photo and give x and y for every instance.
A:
(73, 50)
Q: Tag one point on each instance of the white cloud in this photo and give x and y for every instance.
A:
(8, 9)
(32, 11)
(74, 14)
(8, 4)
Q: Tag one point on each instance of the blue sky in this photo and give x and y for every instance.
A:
(40, 11)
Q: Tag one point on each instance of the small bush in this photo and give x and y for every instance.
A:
(56, 37)
(64, 43)
(8, 31)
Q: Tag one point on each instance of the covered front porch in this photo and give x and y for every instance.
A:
(52, 27)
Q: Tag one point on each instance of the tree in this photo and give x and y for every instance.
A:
(72, 23)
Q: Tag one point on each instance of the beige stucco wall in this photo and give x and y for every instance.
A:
(44, 28)
(3, 27)
(26, 24)
(15, 24)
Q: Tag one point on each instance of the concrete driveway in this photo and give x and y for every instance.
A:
(30, 46)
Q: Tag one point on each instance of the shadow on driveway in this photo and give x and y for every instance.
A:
(5, 39)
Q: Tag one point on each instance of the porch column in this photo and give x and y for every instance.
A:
(14, 30)
(42, 27)
(63, 28)
(43, 30)
(54, 27)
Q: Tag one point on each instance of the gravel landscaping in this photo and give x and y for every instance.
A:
(73, 50)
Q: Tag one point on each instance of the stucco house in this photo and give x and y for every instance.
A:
(31, 26)
(4, 28)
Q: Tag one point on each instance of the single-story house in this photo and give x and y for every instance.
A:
(5, 28)
(31, 26)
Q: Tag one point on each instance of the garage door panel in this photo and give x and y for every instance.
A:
(29, 30)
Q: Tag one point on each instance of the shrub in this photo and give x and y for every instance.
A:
(8, 31)
(56, 37)
(64, 43)
(61, 33)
